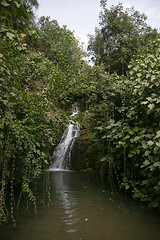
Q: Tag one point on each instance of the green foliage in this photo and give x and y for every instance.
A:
(125, 118)
(59, 45)
(16, 15)
(120, 35)
(122, 112)
(27, 132)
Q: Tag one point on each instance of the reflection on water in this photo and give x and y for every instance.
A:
(67, 201)
(81, 210)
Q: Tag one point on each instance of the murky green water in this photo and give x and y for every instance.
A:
(81, 210)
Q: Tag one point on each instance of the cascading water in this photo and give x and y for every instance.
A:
(62, 153)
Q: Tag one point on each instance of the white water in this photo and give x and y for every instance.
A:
(62, 153)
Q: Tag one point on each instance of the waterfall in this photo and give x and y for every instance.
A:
(62, 153)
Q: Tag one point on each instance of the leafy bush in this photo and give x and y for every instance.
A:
(126, 122)
(27, 132)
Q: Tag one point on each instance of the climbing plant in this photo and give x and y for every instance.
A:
(27, 132)
(39, 80)
(126, 123)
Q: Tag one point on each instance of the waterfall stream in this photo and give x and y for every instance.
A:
(72, 205)
(62, 153)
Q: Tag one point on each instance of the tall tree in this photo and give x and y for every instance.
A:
(120, 35)
(33, 3)
(58, 44)
(17, 14)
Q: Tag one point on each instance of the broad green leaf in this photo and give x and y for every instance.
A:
(145, 102)
(146, 162)
(4, 3)
(158, 144)
(17, 4)
(156, 164)
(10, 35)
(150, 143)
(104, 159)
(157, 134)
(151, 106)
(147, 153)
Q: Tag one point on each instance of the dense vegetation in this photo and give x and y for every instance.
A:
(127, 125)
(42, 74)
(120, 33)
(30, 86)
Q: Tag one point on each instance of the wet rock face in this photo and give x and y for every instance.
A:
(80, 151)
(85, 154)
(79, 155)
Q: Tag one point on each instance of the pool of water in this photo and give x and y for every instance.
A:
(82, 210)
